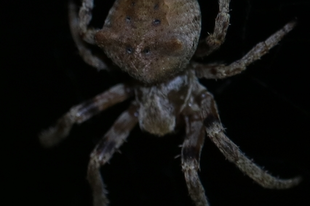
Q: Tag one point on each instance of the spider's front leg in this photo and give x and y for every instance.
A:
(191, 149)
(231, 151)
(207, 121)
(104, 151)
(201, 104)
(84, 111)
(216, 39)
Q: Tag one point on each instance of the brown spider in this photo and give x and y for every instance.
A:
(154, 41)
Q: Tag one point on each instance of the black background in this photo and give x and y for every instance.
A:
(265, 110)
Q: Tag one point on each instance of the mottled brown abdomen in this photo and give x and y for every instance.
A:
(151, 40)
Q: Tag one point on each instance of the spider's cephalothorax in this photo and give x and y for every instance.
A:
(154, 41)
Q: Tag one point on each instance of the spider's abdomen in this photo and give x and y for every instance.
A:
(151, 40)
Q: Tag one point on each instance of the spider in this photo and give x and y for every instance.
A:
(156, 42)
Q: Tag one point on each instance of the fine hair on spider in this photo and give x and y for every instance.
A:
(157, 42)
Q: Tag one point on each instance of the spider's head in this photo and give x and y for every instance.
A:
(150, 40)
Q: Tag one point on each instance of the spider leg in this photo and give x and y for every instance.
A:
(191, 157)
(216, 39)
(231, 151)
(219, 71)
(82, 112)
(104, 150)
(85, 15)
(82, 46)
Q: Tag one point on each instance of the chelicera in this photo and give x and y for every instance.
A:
(156, 42)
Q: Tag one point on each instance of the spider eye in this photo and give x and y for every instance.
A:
(129, 49)
(128, 19)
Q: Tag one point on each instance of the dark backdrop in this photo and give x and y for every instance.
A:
(265, 110)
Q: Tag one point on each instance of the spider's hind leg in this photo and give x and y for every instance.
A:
(78, 33)
(85, 16)
(220, 71)
(216, 39)
(105, 149)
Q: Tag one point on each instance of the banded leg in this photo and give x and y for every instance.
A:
(85, 15)
(219, 71)
(191, 157)
(82, 46)
(216, 39)
(105, 150)
(215, 132)
(82, 112)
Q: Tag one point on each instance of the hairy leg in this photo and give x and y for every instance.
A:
(216, 39)
(219, 71)
(215, 132)
(82, 112)
(85, 15)
(82, 46)
(191, 157)
(105, 150)
(193, 143)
